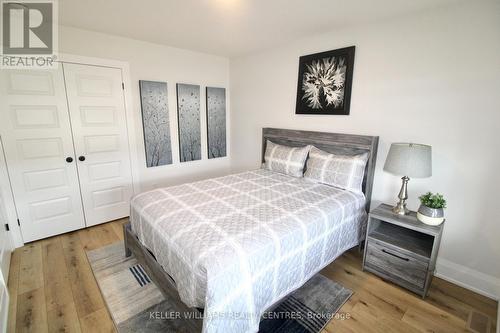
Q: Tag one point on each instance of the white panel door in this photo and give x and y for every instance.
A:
(98, 120)
(36, 133)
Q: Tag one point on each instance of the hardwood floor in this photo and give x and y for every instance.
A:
(53, 290)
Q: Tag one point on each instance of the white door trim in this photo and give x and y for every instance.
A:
(8, 197)
(70, 58)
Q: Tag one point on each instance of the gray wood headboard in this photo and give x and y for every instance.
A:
(337, 143)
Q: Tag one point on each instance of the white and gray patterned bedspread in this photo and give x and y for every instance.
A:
(236, 245)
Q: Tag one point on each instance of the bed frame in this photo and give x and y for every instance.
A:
(346, 144)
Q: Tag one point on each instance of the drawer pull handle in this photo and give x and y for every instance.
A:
(395, 255)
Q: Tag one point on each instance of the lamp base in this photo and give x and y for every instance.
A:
(400, 208)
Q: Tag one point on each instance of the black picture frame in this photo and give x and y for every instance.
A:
(311, 97)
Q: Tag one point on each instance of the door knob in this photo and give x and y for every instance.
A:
(69, 159)
(81, 158)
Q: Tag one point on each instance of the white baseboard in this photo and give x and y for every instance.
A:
(468, 278)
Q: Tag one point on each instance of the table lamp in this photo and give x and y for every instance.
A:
(408, 160)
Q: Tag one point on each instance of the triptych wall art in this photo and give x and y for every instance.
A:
(216, 122)
(156, 122)
(188, 115)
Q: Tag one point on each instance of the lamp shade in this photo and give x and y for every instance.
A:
(409, 159)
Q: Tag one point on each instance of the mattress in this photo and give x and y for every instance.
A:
(236, 245)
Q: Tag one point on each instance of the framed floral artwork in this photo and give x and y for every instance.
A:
(325, 81)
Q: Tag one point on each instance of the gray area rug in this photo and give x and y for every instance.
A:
(137, 305)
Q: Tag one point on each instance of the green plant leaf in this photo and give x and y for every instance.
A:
(431, 200)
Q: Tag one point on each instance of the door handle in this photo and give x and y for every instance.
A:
(69, 159)
(395, 255)
(81, 158)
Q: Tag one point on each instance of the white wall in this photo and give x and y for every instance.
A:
(158, 63)
(431, 78)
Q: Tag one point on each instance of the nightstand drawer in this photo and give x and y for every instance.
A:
(397, 265)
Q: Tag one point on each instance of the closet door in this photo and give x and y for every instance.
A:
(36, 136)
(98, 120)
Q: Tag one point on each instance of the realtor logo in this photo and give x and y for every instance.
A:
(28, 33)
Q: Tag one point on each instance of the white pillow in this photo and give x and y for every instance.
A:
(341, 171)
(284, 159)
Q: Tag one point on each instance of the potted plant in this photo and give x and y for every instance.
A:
(431, 209)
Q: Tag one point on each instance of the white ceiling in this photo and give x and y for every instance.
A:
(228, 27)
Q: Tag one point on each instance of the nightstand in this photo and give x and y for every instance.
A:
(401, 249)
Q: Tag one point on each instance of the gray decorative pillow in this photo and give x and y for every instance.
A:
(341, 171)
(284, 159)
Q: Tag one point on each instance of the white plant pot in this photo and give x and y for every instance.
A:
(434, 221)
(430, 216)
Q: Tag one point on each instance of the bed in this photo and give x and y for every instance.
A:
(235, 246)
